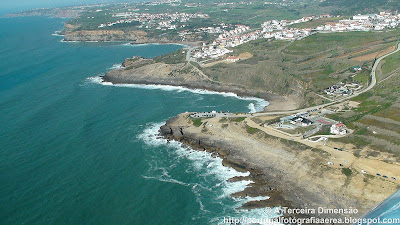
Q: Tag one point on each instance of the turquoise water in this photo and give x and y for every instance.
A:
(388, 212)
(77, 152)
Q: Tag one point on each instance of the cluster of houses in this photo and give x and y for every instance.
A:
(289, 34)
(342, 89)
(240, 34)
(277, 3)
(243, 34)
(364, 23)
(304, 119)
(210, 30)
(233, 38)
(280, 30)
(210, 51)
(159, 20)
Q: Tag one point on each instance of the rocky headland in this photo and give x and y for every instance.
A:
(290, 173)
(149, 71)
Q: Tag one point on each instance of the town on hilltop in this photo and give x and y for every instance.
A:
(281, 30)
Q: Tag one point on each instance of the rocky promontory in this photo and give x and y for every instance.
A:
(290, 173)
(136, 36)
(149, 71)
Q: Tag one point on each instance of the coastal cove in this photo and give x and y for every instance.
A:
(74, 151)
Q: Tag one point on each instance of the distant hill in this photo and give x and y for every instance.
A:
(352, 7)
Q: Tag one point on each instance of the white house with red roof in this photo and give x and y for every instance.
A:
(338, 128)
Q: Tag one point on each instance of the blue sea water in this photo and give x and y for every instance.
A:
(73, 151)
(388, 212)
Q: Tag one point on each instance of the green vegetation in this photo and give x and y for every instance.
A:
(361, 131)
(224, 126)
(352, 7)
(197, 122)
(325, 130)
(376, 120)
(363, 77)
(347, 171)
(279, 66)
(238, 119)
(299, 130)
(317, 43)
(252, 130)
(172, 58)
(391, 63)
(223, 120)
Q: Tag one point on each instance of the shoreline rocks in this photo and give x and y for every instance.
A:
(292, 177)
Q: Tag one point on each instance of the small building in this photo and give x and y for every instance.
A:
(338, 129)
(356, 68)
(233, 59)
(301, 120)
(361, 17)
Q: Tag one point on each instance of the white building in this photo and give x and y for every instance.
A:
(361, 17)
(338, 129)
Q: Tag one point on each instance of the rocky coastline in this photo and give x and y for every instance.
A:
(290, 174)
(147, 71)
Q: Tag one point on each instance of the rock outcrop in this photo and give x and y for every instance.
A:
(147, 71)
(136, 36)
(293, 175)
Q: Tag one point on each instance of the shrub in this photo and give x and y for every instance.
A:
(197, 122)
(347, 171)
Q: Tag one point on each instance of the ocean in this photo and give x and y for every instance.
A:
(76, 151)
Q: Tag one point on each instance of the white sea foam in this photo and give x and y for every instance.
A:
(57, 33)
(252, 108)
(208, 166)
(259, 106)
(116, 66)
(63, 40)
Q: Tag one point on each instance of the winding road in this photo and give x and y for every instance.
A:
(372, 84)
(340, 159)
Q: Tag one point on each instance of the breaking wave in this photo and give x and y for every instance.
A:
(212, 186)
(257, 107)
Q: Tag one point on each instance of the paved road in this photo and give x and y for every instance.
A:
(346, 159)
(189, 50)
(372, 84)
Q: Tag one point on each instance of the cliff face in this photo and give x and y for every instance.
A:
(136, 36)
(297, 172)
(147, 71)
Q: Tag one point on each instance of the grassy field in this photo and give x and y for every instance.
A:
(363, 77)
(377, 119)
(281, 66)
(337, 41)
(391, 63)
